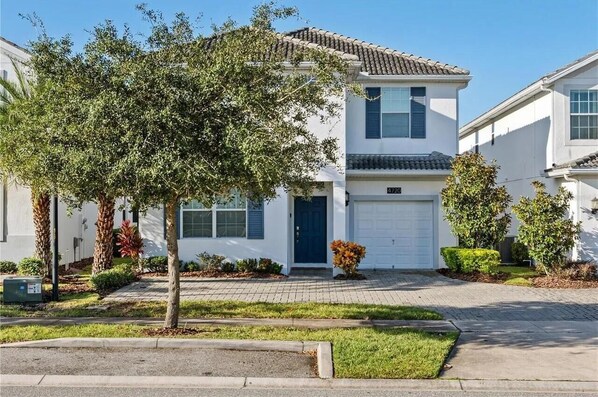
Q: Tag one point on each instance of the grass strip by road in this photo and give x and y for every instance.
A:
(357, 353)
(78, 305)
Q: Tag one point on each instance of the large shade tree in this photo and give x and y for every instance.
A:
(22, 129)
(226, 111)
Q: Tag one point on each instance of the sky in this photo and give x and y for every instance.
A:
(505, 44)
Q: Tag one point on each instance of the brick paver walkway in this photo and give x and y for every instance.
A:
(456, 300)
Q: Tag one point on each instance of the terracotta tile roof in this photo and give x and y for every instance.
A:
(587, 162)
(377, 60)
(434, 161)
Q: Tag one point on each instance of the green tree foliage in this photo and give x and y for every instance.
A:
(473, 205)
(545, 228)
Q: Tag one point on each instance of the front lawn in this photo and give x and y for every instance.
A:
(357, 352)
(78, 305)
(518, 275)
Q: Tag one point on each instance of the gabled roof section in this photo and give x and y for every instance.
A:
(377, 60)
(10, 43)
(589, 162)
(526, 93)
(434, 161)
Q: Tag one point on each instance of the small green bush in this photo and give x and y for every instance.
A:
(8, 267)
(157, 264)
(210, 262)
(266, 265)
(192, 266)
(449, 254)
(227, 267)
(31, 267)
(468, 260)
(111, 279)
(519, 253)
(247, 265)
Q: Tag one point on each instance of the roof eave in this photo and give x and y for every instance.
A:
(453, 78)
(562, 172)
(397, 172)
(578, 65)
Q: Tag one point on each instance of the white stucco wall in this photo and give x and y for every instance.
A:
(441, 123)
(584, 190)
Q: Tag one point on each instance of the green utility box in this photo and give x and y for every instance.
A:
(22, 290)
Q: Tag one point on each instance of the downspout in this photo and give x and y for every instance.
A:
(551, 131)
(577, 208)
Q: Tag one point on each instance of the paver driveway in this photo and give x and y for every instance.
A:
(455, 299)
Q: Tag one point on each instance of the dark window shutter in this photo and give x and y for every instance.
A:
(372, 113)
(255, 219)
(418, 112)
(179, 221)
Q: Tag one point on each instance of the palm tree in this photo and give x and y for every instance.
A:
(12, 93)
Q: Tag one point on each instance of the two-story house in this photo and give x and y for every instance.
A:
(548, 132)
(395, 150)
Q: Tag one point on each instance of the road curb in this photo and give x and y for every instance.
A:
(295, 383)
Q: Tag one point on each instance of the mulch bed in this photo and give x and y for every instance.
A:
(160, 332)
(217, 274)
(538, 281)
(357, 276)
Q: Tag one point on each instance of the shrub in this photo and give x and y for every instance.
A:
(449, 254)
(192, 266)
(210, 262)
(347, 255)
(227, 267)
(8, 267)
(545, 227)
(115, 251)
(468, 260)
(157, 264)
(31, 267)
(129, 240)
(111, 279)
(266, 265)
(519, 252)
(247, 265)
(579, 270)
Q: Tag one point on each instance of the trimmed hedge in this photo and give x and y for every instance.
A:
(519, 252)
(111, 279)
(156, 264)
(8, 267)
(31, 267)
(468, 260)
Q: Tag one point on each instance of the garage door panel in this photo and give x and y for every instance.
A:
(396, 234)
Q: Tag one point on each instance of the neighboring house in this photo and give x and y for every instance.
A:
(76, 232)
(548, 132)
(395, 156)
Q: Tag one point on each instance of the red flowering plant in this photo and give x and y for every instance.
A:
(130, 242)
(346, 256)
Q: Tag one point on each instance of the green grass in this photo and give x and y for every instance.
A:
(519, 281)
(518, 275)
(75, 305)
(357, 352)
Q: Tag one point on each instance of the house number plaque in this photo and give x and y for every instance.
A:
(393, 190)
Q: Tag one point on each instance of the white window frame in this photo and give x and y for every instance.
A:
(382, 89)
(579, 113)
(214, 210)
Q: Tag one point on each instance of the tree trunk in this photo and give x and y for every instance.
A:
(102, 254)
(174, 282)
(41, 223)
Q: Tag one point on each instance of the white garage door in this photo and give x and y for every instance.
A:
(396, 234)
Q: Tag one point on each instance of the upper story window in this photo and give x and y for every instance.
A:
(584, 114)
(395, 109)
(226, 218)
(395, 112)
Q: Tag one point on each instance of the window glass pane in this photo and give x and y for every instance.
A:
(583, 107)
(593, 95)
(230, 224)
(593, 120)
(395, 125)
(395, 100)
(574, 132)
(583, 95)
(574, 95)
(583, 133)
(593, 133)
(234, 201)
(197, 223)
(574, 107)
(574, 121)
(593, 107)
(583, 121)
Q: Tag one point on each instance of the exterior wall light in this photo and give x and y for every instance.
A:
(595, 205)
(347, 197)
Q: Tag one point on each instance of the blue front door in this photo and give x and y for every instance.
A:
(310, 230)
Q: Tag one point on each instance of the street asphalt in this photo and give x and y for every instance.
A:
(187, 392)
(156, 362)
